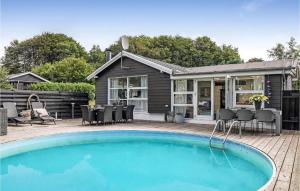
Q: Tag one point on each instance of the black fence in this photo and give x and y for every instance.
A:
(290, 110)
(57, 103)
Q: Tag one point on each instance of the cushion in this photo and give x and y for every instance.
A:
(41, 112)
(26, 114)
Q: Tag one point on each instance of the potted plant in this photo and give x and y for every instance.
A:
(179, 118)
(257, 100)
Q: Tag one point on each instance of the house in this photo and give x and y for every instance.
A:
(155, 87)
(23, 80)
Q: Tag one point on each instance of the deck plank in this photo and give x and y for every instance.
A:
(295, 180)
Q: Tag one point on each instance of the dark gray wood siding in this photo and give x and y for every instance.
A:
(275, 89)
(159, 83)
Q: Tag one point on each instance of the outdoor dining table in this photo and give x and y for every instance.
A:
(101, 109)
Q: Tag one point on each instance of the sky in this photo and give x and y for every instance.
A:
(253, 26)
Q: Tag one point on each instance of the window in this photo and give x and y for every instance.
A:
(183, 97)
(245, 87)
(129, 90)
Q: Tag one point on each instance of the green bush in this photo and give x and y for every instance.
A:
(66, 87)
(70, 69)
(4, 84)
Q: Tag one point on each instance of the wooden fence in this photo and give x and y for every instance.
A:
(291, 109)
(56, 102)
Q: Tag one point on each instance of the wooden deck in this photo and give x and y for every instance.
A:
(284, 149)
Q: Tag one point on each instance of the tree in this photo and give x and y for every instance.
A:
(278, 52)
(67, 70)
(255, 59)
(41, 49)
(180, 50)
(96, 56)
(4, 84)
(292, 51)
(230, 55)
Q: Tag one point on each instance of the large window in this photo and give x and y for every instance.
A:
(183, 97)
(129, 90)
(245, 87)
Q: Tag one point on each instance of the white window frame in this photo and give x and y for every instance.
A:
(128, 90)
(173, 104)
(235, 92)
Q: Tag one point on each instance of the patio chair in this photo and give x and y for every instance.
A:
(12, 113)
(106, 115)
(118, 117)
(226, 115)
(87, 115)
(265, 116)
(128, 114)
(245, 115)
(40, 113)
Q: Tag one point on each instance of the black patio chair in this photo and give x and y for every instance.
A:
(245, 115)
(226, 115)
(118, 113)
(128, 113)
(12, 113)
(106, 115)
(265, 116)
(87, 115)
(40, 113)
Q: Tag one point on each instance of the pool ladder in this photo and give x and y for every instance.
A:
(221, 122)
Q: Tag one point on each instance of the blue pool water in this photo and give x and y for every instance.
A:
(130, 161)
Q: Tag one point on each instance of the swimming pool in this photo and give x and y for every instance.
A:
(131, 161)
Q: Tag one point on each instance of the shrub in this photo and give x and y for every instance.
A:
(70, 69)
(4, 84)
(66, 87)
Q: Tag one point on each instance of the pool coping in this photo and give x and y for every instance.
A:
(270, 160)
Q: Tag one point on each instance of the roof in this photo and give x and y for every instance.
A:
(12, 76)
(244, 67)
(164, 67)
(173, 69)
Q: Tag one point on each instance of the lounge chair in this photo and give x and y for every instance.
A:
(87, 115)
(12, 113)
(40, 113)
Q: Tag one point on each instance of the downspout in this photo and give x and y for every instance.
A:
(18, 84)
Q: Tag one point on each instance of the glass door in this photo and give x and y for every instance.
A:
(204, 98)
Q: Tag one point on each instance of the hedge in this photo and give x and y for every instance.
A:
(66, 87)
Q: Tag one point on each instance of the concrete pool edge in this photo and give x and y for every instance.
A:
(163, 131)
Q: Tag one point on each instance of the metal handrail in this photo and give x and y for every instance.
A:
(225, 139)
(212, 134)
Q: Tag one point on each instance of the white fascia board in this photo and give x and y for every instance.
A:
(253, 73)
(148, 63)
(30, 73)
(100, 69)
(39, 77)
(134, 57)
